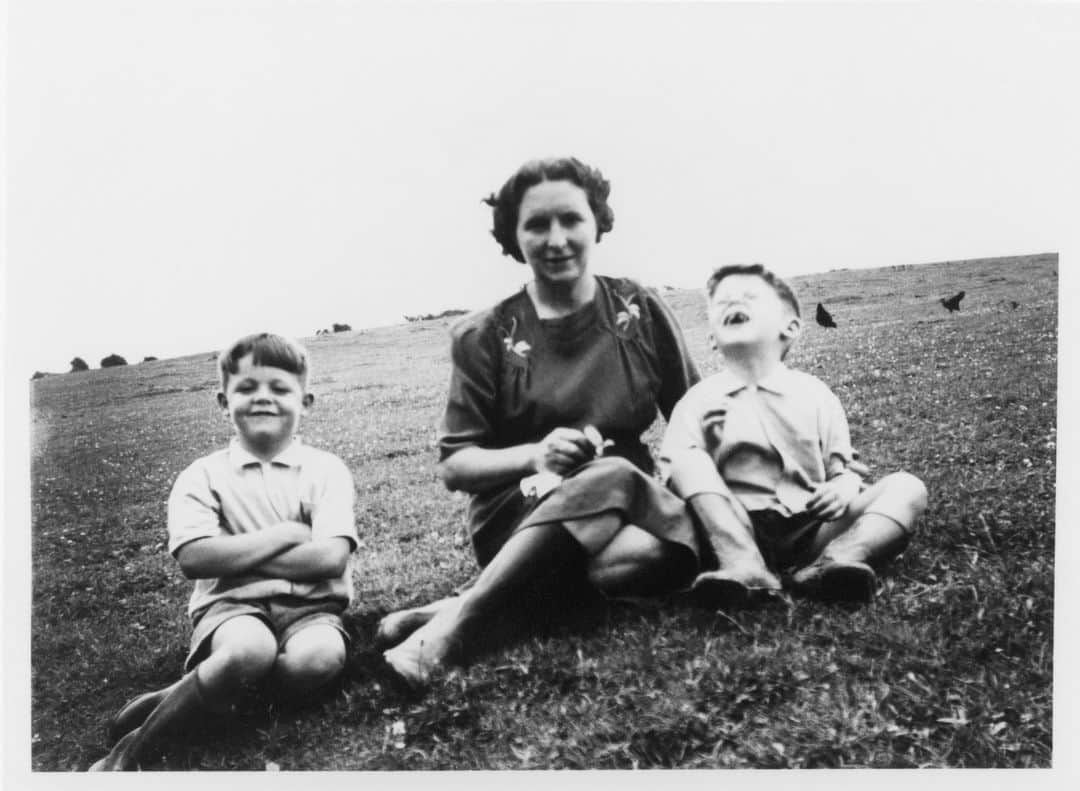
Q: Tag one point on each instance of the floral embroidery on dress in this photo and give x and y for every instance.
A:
(520, 348)
(624, 317)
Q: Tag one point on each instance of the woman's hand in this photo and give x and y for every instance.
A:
(562, 451)
(831, 499)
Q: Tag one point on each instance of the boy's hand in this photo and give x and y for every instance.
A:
(294, 532)
(831, 499)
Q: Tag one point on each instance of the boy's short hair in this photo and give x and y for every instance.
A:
(268, 349)
(782, 289)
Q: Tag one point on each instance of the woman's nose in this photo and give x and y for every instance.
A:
(556, 236)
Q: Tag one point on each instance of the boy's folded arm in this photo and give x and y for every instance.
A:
(240, 553)
(324, 558)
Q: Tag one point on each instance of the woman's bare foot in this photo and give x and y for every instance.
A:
(424, 653)
(410, 663)
(396, 626)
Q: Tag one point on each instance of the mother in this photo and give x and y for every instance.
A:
(530, 375)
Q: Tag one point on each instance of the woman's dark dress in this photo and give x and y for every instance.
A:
(611, 364)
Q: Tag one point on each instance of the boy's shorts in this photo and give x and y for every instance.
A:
(786, 542)
(284, 615)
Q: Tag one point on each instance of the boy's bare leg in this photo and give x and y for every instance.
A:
(742, 570)
(310, 659)
(527, 555)
(242, 652)
(726, 526)
(396, 626)
(876, 528)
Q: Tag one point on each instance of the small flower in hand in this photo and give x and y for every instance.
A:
(593, 435)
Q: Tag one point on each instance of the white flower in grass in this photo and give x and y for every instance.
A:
(396, 734)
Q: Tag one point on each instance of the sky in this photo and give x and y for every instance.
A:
(183, 172)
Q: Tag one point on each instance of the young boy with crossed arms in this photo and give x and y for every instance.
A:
(762, 454)
(266, 529)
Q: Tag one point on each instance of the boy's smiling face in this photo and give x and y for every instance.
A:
(264, 404)
(745, 311)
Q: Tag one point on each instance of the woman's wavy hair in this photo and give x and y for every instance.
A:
(505, 204)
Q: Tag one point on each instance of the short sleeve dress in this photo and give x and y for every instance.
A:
(611, 364)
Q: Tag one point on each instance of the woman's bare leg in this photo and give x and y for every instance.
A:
(637, 563)
(529, 555)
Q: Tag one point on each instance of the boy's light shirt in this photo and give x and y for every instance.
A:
(771, 441)
(231, 491)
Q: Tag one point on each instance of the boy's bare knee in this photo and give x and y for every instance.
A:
(312, 658)
(913, 489)
(243, 651)
(249, 662)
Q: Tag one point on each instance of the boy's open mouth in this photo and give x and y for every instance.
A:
(735, 317)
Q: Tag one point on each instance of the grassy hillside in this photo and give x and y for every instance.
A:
(951, 666)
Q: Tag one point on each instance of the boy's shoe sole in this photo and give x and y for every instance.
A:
(835, 580)
(713, 591)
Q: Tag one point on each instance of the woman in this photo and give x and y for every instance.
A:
(532, 377)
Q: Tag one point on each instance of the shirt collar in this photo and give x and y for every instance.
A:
(779, 381)
(290, 457)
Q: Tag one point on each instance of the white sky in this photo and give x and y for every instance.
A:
(183, 172)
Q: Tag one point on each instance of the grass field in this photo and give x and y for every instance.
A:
(950, 667)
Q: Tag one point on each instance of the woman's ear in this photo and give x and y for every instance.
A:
(308, 400)
(222, 401)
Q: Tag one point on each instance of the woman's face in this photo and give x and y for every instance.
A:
(556, 231)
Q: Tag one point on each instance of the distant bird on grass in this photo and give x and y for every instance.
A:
(824, 318)
(953, 302)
